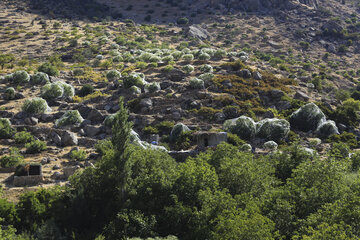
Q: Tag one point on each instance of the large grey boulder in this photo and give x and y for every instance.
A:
(243, 126)
(307, 118)
(198, 32)
(326, 129)
(69, 139)
(177, 130)
(272, 129)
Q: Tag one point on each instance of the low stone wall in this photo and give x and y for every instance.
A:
(7, 170)
(20, 181)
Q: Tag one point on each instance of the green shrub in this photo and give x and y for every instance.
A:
(35, 106)
(49, 69)
(355, 161)
(52, 91)
(150, 130)
(113, 75)
(204, 57)
(168, 68)
(188, 68)
(184, 140)
(20, 77)
(6, 131)
(69, 90)
(10, 93)
(206, 77)
(135, 90)
(165, 127)
(40, 78)
(23, 137)
(345, 137)
(109, 120)
(182, 21)
(85, 90)
(206, 68)
(347, 113)
(152, 87)
(35, 146)
(12, 160)
(196, 83)
(134, 79)
(188, 58)
(70, 117)
(235, 140)
(78, 155)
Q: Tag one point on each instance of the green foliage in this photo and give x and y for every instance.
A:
(165, 127)
(35, 106)
(49, 69)
(10, 93)
(113, 75)
(78, 155)
(286, 161)
(150, 130)
(23, 137)
(85, 90)
(70, 117)
(34, 207)
(7, 212)
(11, 160)
(235, 140)
(6, 131)
(134, 79)
(20, 77)
(35, 146)
(182, 21)
(40, 78)
(52, 91)
(345, 137)
(196, 83)
(347, 113)
(6, 59)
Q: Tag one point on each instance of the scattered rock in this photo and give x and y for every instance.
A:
(301, 96)
(91, 131)
(257, 76)
(197, 32)
(69, 139)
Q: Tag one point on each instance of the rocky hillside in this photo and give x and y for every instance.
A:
(183, 71)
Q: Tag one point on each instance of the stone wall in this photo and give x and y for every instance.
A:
(20, 181)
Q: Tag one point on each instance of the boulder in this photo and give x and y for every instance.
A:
(245, 73)
(91, 131)
(326, 129)
(272, 129)
(307, 118)
(243, 126)
(176, 75)
(198, 32)
(301, 96)
(257, 76)
(69, 139)
(55, 138)
(177, 130)
(95, 116)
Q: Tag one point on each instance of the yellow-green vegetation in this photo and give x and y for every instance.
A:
(90, 96)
